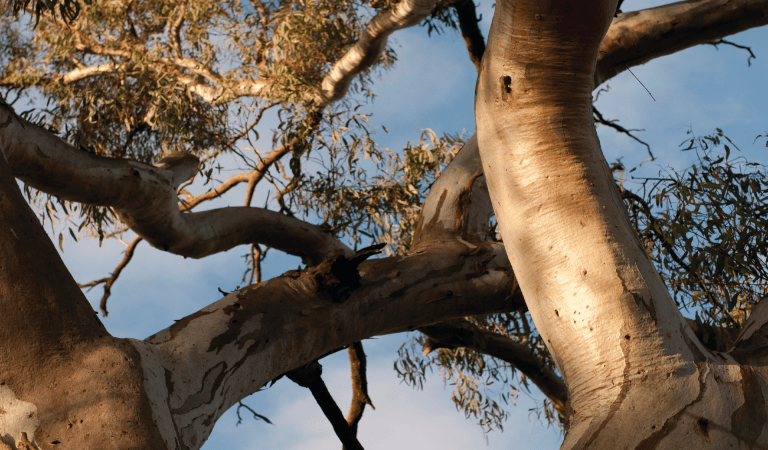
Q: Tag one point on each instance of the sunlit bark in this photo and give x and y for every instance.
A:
(637, 376)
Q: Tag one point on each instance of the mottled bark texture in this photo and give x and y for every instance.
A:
(230, 349)
(637, 376)
(64, 381)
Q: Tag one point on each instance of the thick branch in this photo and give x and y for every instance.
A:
(637, 37)
(233, 347)
(145, 198)
(751, 345)
(367, 49)
(473, 38)
(458, 203)
(56, 354)
(460, 333)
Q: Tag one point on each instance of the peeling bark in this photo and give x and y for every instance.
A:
(230, 349)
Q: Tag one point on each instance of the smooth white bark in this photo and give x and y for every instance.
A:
(637, 376)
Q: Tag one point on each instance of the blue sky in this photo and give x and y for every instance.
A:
(432, 86)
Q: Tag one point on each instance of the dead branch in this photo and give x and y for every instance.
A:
(733, 44)
(612, 124)
(360, 398)
(309, 376)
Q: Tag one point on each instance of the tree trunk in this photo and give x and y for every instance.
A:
(637, 376)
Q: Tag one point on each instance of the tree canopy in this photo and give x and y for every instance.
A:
(273, 100)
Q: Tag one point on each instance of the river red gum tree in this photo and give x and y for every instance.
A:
(634, 374)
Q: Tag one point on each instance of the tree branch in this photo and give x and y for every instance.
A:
(458, 203)
(637, 37)
(460, 333)
(367, 49)
(109, 281)
(733, 44)
(309, 376)
(360, 398)
(473, 37)
(612, 124)
(145, 198)
(50, 336)
(751, 346)
(230, 349)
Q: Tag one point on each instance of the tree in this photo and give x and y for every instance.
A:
(129, 86)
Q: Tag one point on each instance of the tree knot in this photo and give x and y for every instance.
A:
(339, 276)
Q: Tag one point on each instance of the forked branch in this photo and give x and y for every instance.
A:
(145, 197)
(110, 280)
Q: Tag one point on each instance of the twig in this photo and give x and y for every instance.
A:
(109, 281)
(255, 414)
(612, 123)
(733, 44)
(641, 84)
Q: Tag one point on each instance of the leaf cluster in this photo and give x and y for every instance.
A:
(705, 229)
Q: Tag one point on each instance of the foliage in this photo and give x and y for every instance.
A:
(141, 78)
(483, 387)
(383, 207)
(705, 229)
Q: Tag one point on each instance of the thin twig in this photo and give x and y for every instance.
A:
(255, 414)
(612, 123)
(733, 44)
(641, 84)
(109, 281)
